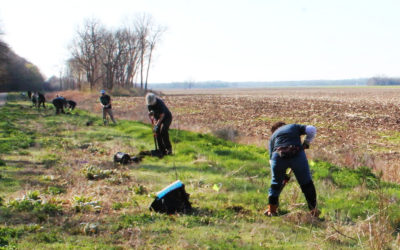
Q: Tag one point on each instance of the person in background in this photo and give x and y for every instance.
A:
(287, 151)
(40, 100)
(105, 101)
(162, 120)
(34, 99)
(59, 103)
(71, 104)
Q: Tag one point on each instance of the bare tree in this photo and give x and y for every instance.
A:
(154, 38)
(143, 25)
(114, 58)
(86, 50)
(75, 71)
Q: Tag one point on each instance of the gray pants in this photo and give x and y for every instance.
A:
(109, 112)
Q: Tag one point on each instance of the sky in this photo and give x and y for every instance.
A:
(225, 40)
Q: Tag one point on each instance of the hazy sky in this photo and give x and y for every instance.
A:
(228, 40)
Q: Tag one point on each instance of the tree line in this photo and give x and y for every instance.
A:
(107, 58)
(16, 73)
(383, 81)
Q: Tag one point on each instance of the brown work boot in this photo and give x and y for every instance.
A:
(271, 211)
(315, 212)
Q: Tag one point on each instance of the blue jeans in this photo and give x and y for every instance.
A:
(299, 165)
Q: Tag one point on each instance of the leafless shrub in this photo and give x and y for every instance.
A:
(227, 133)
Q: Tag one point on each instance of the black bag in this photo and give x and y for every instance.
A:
(122, 158)
(288, 152)
(172, 199)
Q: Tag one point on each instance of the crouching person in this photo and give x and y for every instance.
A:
(162, 120)
(59, 103)
(287, 151)
(71, 104)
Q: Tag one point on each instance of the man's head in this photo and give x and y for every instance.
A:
(277, 125)
(151, 99)
(102, 91)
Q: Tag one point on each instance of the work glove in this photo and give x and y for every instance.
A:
(306, 145)
(155, 129)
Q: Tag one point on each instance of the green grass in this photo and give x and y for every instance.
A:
(61, 190)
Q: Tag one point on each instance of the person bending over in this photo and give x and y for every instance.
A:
(162, 120)
(287, 151)
(59, 103)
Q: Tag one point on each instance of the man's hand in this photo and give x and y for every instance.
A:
(306, 145)
(155, 129)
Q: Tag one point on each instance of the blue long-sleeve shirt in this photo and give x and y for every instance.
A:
(290, 134)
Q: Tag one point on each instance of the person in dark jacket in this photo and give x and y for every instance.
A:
(59, 103)
(34, 99)
(41, 100)
(162, 120)
(287, 151)
(105, 101)
(71, 104)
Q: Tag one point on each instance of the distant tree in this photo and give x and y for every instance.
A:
(86, 50)
(3, 59)
(383, 81)
(113, 57)
(16, 73)
(154, 38)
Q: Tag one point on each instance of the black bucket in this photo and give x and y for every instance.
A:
(122, 158)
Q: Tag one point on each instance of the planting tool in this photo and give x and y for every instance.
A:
(154, 132)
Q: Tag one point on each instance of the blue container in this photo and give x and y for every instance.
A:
(169, 188)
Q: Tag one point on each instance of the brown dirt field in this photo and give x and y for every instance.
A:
(356, 125)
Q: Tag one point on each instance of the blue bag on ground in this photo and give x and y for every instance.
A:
(172, 199)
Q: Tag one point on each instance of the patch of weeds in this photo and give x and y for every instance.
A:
(194, 221)
(120, 205)
(344, 177)
(117, 206)
(367, 177)
(95, 173)
(90, 228)
(50, 160)
(55, 190)
(127, 221)
(47, 178)
(139, 190)
(24, 152)
(85, 204)
(46, 237)
(33, 203)
(2, 162)
(8, 234)
(228, 133)
(118, 177)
